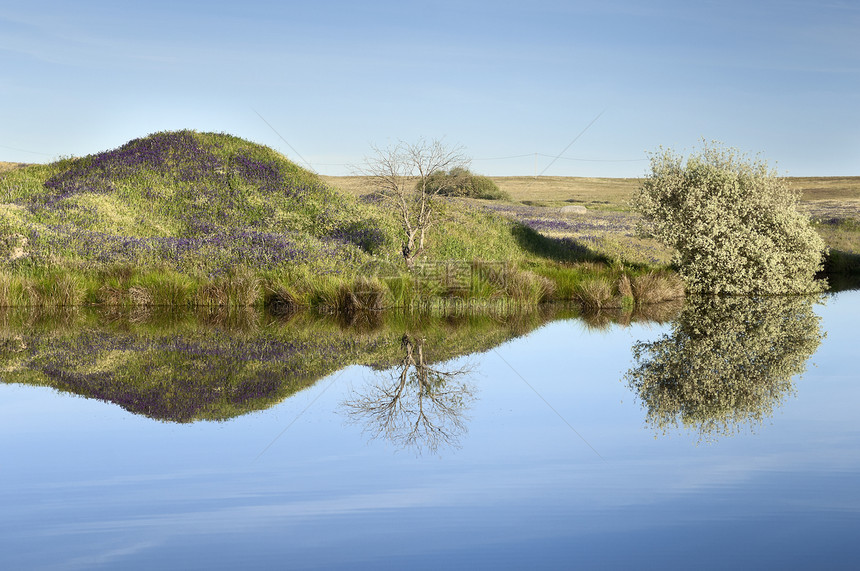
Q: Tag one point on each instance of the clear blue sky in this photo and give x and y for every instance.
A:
(500, 78)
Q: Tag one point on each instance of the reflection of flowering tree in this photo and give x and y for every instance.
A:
(728, 362)
(418, 406)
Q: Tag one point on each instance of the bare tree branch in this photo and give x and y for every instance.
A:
(419, 406)
(401, 174)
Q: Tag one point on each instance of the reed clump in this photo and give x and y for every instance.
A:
(595, 293)
(163, 289)
(656, 287)
(241, 288)
(362, 294)
(279, 298)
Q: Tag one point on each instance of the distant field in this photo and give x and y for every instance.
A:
(545, 189)
(828, 187)
(614, 192)
(596, 192)
(4, 166)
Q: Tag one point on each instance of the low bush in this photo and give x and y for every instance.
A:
(464, 183)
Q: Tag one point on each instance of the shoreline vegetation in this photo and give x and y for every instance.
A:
(188, 219)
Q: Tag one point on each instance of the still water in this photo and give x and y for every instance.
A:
(727, 437)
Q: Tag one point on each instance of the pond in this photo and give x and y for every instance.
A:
(728, 436)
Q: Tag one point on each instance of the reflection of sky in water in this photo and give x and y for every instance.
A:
(86, 484)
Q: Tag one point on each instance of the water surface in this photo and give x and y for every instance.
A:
(541, 443)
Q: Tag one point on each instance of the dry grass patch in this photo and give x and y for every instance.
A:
(656, 287)
(4, 166)
(585, 190)
(827, 187)
(363, 294)
(594, 293)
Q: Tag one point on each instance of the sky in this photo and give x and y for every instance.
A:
(559, 88)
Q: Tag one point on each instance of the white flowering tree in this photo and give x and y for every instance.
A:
(733, 223)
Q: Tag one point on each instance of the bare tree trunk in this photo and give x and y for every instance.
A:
(395, 171)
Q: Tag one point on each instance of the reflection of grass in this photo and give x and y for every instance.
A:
(217, 364)
(213, 366)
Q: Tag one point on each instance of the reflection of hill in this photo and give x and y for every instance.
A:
(727, 362)
(186, 367)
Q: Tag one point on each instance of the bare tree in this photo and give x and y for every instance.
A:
(401, 174)
(419, 406)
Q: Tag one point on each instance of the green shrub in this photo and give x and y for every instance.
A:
(732, 222)
(483, 187)
(463, 182)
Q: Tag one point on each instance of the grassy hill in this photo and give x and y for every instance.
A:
(196, 203)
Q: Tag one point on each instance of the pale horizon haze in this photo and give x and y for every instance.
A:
(515, 83)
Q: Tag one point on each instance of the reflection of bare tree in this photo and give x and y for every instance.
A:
(417, 405)
(728, 362)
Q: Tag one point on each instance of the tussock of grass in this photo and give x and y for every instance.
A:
(52, 289)
(164, 289)
(529, 288)
(10, 291)
(279, 298)
(363, 294)
(656, 287)
(140, 296)
(625, 291)
(594, 293)
(241, 288)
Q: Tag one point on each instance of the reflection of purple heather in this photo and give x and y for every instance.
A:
(220, 369)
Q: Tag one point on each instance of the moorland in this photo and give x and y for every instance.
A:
(188, 219)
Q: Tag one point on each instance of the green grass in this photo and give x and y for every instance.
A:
(842, 236)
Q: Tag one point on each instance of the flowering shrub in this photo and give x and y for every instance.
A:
(733, 224)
